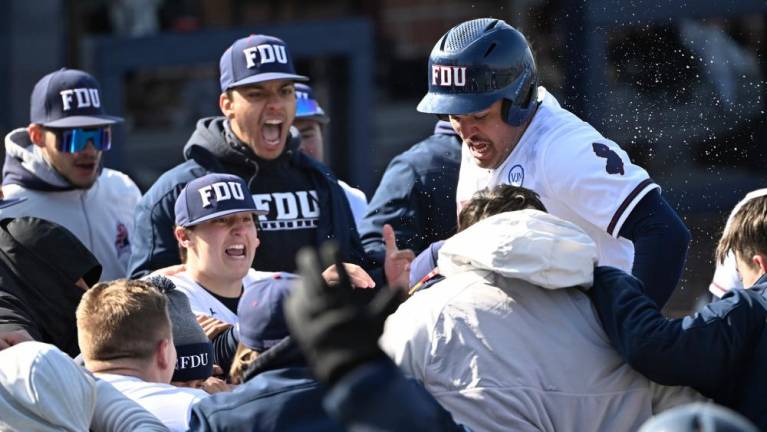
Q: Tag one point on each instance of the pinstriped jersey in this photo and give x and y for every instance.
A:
(580, 176)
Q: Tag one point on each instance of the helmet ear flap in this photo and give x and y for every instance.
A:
(517, 116)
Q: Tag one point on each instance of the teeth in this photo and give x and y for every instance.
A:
(237, 246)
(274, 122)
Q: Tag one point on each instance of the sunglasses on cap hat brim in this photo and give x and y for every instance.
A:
(75, 140)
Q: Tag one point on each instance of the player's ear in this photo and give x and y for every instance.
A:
(760, 261)
(36, 134)
(226, 104)
(182, 236)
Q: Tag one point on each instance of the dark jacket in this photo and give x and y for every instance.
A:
(416, 195)
(721, 351)
(280, 395)
(40, 262)
(376, 396)
(212, 149)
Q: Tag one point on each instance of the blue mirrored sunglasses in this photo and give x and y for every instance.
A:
(76, 139)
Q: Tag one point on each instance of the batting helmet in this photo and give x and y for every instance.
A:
(698, 417)
(477, 63)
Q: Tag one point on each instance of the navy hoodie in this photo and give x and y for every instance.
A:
(213, 148)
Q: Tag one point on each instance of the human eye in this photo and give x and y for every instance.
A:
(288, 91)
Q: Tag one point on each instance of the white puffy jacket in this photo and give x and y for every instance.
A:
(509, 342)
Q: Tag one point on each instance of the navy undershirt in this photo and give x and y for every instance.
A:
(660, 241)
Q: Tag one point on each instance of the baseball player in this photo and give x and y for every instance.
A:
(726, 276)
(483, 77)
(53, 169)
(310, 121)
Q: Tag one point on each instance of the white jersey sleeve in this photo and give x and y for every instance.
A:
(594, 178)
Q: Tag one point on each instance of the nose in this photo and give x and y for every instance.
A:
(89, 149)
(464, 126)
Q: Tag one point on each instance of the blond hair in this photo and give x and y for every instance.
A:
(122, 319)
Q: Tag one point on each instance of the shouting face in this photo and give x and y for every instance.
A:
(261, 114)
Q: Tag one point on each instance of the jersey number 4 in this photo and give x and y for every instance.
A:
(614, 163)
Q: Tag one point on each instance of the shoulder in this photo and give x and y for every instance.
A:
(173, 180)
(118, 182)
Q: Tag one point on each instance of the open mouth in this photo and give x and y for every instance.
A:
(85, 166)
(236, 251)
(479, 148)
(271, 131)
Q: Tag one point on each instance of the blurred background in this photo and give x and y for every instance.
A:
(679, 84)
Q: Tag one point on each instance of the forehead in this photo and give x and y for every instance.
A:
(267, 85)
(306, 123)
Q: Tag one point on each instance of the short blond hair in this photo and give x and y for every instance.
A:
(746, 233)
(122, 319)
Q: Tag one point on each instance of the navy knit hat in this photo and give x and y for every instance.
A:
(255, 59)
(194, 352)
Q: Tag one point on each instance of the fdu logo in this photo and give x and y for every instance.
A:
(516, 175)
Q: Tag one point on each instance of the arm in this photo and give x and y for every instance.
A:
(395, 203)
(154, 245)
(660, 245)
(700, 350)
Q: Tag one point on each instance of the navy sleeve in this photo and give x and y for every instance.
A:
(702, 350)
(395, 404)
(224, 349)
(660, 245)
(395, 203)
(154, 244)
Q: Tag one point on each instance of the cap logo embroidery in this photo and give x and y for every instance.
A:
(265, 53)
(84, 98)
(223, 191)
(447, 76)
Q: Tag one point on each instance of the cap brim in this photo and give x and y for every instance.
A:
(224, 213)
(84, 121)
(269, 76)
(321, 118)
(456, 103)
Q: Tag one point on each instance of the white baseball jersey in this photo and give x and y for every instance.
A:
(726, 275)
(170, 404)
(580, 176)
(203, 303)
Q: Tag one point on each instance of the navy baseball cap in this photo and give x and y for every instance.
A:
(213, 196)
(68, 98)
(307, 106)
(261, 317)
(255, 59)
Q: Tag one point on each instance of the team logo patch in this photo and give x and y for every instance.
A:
(122, 244)
(614, 163)
(516, 175)
(265, 54)
(448, 76)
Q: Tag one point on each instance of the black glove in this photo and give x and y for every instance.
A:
(335, 333)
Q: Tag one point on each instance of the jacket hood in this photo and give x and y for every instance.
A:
(32, 378)
(528, 244)
(25, 165)
(213, 143)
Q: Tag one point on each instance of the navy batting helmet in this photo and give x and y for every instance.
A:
(698, 417)
(477, 63)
